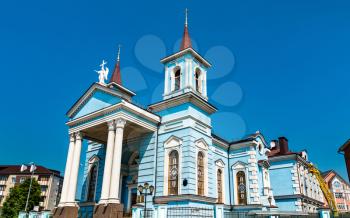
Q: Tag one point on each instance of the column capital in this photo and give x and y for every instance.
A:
(71, 137)
(120, 123)
(78, 135)
(111, 125)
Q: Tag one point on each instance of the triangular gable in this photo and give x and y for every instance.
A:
(95, 98)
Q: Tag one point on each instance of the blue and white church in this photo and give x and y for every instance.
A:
(165, 157)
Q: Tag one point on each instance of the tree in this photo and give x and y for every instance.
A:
(17, 198)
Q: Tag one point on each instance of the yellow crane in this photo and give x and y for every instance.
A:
(326, 192)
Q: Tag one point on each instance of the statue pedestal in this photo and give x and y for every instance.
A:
(111, 210)
(65, 212)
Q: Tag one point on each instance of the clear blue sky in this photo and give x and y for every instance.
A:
(289, 75)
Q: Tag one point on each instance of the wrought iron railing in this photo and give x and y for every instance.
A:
(174, 212)
(147, 213)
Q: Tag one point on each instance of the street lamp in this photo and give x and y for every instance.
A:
(143, 191)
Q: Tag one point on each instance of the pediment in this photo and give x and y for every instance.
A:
(201, 143)
(239, 165)
(219, 163)
(172, 141)
(95, 98)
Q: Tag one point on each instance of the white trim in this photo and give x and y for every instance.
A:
(123, 105)
(219, 164)
(97, 86)
(93, 160)
(205, 160)
(172, 143)
(240, 166)
(111, 117)
(182, 52)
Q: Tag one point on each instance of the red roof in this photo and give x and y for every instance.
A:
(16, 169)
(186, 40)
(116, 76)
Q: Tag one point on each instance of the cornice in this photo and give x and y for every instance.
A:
(183, 52)
(185, 197)
(122, 93)
(181, 99)
(108, 110)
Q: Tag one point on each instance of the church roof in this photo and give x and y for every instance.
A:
(186, 47)
(344, 146)
(183, 52)
(186, 40)
(116, 76)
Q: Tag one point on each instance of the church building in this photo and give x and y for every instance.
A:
(162, 160)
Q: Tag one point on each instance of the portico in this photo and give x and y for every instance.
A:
(110, 125)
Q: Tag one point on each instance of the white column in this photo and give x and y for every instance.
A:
(108, 163)
(73, 178)
(204, 83)
(166, 81)
(67, 170)
(117, 156)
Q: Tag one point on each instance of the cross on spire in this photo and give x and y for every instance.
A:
(116, 76)
(186, 40)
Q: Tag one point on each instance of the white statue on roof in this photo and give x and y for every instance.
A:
(103, 73)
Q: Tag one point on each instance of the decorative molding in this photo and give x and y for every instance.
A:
(108, 110)
(202, 144)
(172, 141)
(181, 99)
(220, 163)
(182, 53)
(92, 89)
(184, 197)
(239, 165)
(120, 123)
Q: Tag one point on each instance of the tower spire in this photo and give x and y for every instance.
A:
(116, 76)
(186, 14)
(186, 40)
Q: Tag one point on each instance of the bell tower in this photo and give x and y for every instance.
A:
(186, 70)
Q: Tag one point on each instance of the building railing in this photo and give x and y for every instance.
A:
(235, 214)
(147, 213)
(190, 212)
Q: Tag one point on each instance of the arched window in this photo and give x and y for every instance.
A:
(177, 78)
(241, 188)
(92, 183)
(173, 180)
(219, 180)
(198, 81)
(200, 173)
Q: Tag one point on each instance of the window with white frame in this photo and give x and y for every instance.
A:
(338, 195)
(241, 188)
(173, 178)
(220, 178)
(202, 167)
(219, 185)
(200, 173)
(92, 179)
(241, 192)
(198, 80)
(177, 79)
(172, 166)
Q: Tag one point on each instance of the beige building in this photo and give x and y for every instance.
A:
(49, 180)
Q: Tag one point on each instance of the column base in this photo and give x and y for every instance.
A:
(111, 210)
(65, 212)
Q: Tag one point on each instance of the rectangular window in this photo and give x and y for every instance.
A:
(2, 187)
(341, 206)
(13, 179)
(338, 195)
